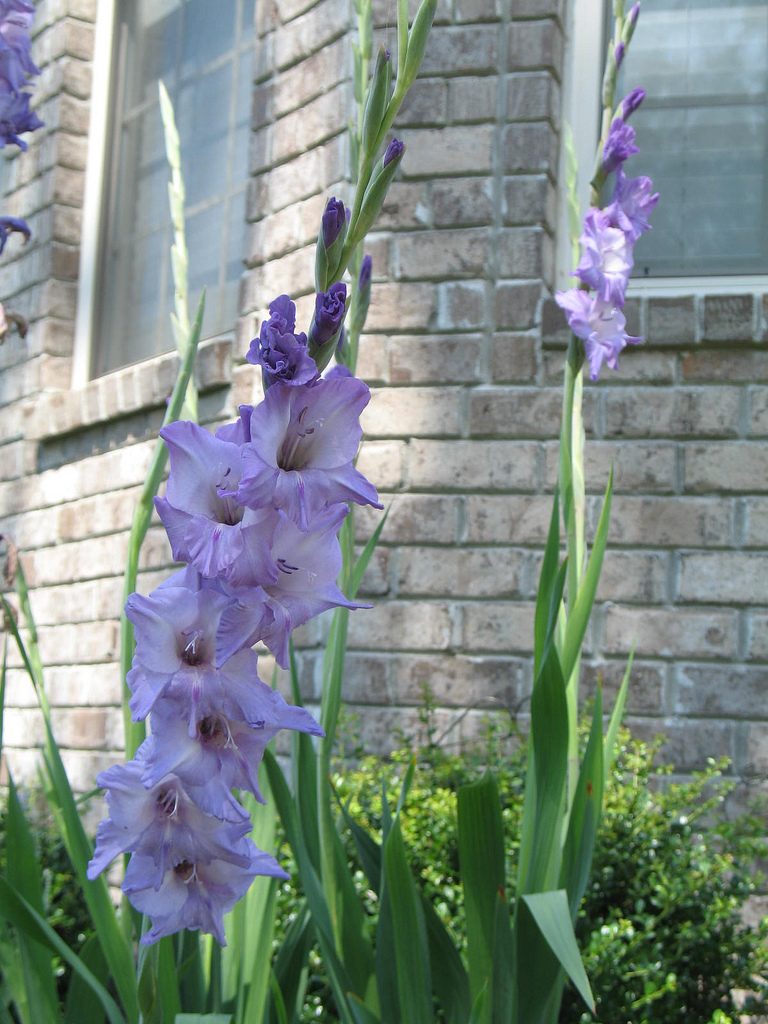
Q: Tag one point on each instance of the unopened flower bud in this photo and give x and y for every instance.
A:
(377, 100)
(631, 102)
(330, 310)
(393, 151)
(330, 241)
(618, 54)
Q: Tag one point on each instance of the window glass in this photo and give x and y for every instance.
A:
(202, 51)
(703, 134)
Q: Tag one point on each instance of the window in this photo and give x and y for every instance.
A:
(703, 130)
(203, 53)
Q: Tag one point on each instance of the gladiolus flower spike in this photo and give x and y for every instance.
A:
(255, 511)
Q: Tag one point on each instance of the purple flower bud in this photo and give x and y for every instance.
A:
(618, 54)
(366, 269)
(631, 102)
(634, 14)
(393, 151)
(619, 145)
(281, 353)
(330, 308)
(334, 219)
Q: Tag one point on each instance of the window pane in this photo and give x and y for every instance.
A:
(703, 133)
(206, 63)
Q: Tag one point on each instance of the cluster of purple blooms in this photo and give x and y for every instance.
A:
(254, 510)
(595, 310)
(16, 67)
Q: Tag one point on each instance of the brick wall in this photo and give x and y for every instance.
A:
(464, 354)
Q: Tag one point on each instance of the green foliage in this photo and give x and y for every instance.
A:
(660, 928)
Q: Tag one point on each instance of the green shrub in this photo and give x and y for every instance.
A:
(660, 927)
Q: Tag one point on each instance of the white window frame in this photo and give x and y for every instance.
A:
(582, 80)
(95, 180)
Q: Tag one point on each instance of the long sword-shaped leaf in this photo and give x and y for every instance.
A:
(581, 608)
(551, 913)
(585, 814)
(609, 749)
(82, 1003)
(23, 867)
(481, 858)
(548, 586)
(116, 950)
(410, 952)
(15, 909)
(337, 974)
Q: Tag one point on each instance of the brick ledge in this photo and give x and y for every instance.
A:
(144, 385)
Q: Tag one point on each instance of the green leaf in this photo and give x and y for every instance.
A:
(362, 1014)
(82, 1003)
(337, 974)
(609, 749)
(203, 1018)
(362, 560)
(552, 916)
(18, 912)
(481, 859)
(64, 808)
(548, 585)
(585, 814)
(578, 616)
(290, 970)
(26, 878)
(541, 829)
(410, 952)
(417, 41)
(449, 976)
(502, 978)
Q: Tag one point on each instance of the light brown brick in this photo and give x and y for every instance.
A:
(667, 412)
(669, 522)
(498, 626)
(726, 467)
(416, 625)
(455, 359)
(463, 572)
(671, 632)
(724, 577)
(441, 254)
(471, 465)
(507, 519)
(412, 518)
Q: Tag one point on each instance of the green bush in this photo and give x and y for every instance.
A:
(660, 927)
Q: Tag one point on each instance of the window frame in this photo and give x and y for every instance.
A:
(584, 57)
(96, 215)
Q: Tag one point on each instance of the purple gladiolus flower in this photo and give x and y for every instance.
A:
(330, 308)
(619, 145)
(176, 658)
(307, 566)
(633, 201)
(238, 432)
(15, 117)
(307, 439)
(281, 353)
(600, 325)
(393, 151)
(203, 527)
(221, 748)
(10, 224)
(194, 895)
(160, 822)
(15, 24)
(334, 219)
(606, 259)
(631, 102)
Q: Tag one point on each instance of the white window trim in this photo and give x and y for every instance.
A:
(584, 56)
(98, 139)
